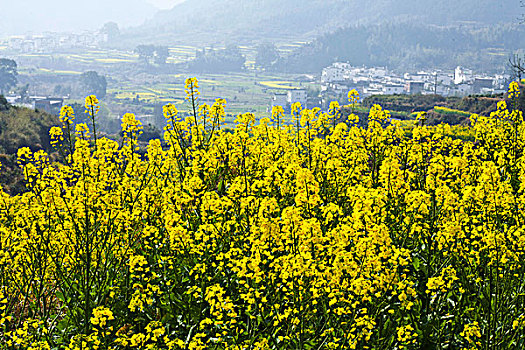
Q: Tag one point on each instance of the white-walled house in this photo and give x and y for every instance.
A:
(331, 74)
(279, 99)
(462, 75)
(297, 95)
(393, 89)
(462, 89)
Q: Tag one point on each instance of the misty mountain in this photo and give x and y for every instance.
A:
(19, 17)
(409, 46)
(248, 19)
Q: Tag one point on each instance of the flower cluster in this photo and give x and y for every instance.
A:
(314, 234)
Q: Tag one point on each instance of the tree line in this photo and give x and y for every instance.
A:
(408, 46)
(90, 82)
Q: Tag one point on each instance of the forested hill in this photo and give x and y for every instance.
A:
(245, 19)
(407, 46)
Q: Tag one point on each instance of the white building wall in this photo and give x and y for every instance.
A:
(280, 99)
(298, 95)
(393, 89)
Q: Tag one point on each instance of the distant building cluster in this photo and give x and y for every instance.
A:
(47, 104)
(49, 42)
(341, 77)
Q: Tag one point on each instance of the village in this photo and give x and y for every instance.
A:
(341, 77)
(53, 42)
(310, 89)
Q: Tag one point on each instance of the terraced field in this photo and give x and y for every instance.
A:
(250, 90)
(243, 91)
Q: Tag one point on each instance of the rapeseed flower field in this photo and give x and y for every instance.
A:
(310, 235)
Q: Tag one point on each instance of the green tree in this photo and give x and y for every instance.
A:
(267, 54)
(8, 74)
(229, 59)
(112, 30)
(23, 91)
(62, 90)
(93, 84)
(145, 52)
(4, 105)
(161, 54)
(149, 53)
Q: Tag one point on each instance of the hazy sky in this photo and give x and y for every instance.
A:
(22, 16)
(164, 4)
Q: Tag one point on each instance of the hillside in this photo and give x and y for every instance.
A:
(20, 127)
(247, 20)
(409, 46)
(451, 110)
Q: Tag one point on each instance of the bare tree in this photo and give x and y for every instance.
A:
(517, 66)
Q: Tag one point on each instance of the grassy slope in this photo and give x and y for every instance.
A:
(21, 127)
